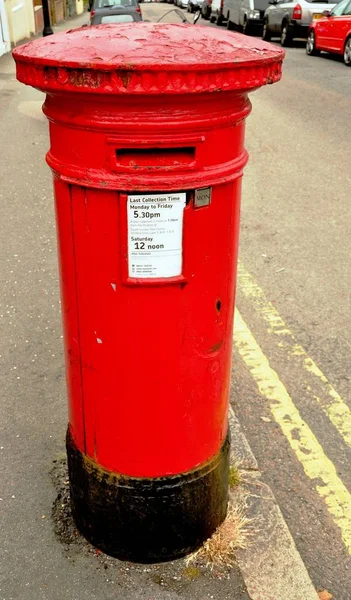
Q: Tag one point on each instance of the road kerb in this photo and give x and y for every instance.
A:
(271, 565)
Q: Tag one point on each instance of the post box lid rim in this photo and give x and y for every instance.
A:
(141, 48)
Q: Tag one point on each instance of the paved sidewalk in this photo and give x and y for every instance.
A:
(73, 23)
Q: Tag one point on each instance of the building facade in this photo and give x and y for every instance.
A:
(5, 43)
(20, 18)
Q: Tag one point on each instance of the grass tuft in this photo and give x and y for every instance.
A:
(234, 533)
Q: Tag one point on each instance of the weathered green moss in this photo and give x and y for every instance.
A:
(192, 573)
(234, 477)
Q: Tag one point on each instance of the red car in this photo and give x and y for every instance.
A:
(332, 32)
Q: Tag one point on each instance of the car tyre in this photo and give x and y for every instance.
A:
(230, 25)
(219, 20)
(212, 18)
(311, 44)
(347, 52)
(246, 28)
(286, 37)
(266, 34)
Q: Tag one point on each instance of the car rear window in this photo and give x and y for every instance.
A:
(108, 3)
(117, 19)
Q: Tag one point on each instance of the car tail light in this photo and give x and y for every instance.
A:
(222, 2)
(297, 12)
(92, 13)
(138, 10)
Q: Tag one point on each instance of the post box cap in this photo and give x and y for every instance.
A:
(147, 58)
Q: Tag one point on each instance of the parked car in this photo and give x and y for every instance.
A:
(291, 19)
(194, 5)
(125, 15)
(114, 11)
(206, 9)
(217, 12)
(181, 3)
(245, 15)
(332, 32)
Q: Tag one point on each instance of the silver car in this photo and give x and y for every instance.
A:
(289, 20)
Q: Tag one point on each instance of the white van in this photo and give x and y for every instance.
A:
(246, 15)
(217, 12)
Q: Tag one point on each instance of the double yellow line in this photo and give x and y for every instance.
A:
(317, 466)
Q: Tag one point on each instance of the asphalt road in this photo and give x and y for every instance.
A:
(295, 243)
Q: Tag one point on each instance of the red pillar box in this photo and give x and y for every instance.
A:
(147, 153)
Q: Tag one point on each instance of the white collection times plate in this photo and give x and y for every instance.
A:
(155, 235)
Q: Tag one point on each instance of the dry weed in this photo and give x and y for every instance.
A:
(235, 531)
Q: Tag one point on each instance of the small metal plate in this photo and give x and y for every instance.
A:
(203, 197)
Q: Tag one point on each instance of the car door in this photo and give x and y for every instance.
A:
(279, 12)
(322, 29)
(271, 15)
(342, 26)
(236, 11)
(244, 9)
(326, 31)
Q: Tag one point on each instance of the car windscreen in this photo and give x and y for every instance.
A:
(109, 3)
(261, 4)
(117, 19)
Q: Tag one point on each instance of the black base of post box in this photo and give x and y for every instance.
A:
(148, 519)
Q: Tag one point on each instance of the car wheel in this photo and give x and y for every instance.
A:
(285, 38)
(246, 28)
(212, 18)
(311, 44)
(230, 25)
(347, 52)
(266, 34)
(219, 20)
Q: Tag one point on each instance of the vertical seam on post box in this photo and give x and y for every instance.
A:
(77, 314)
